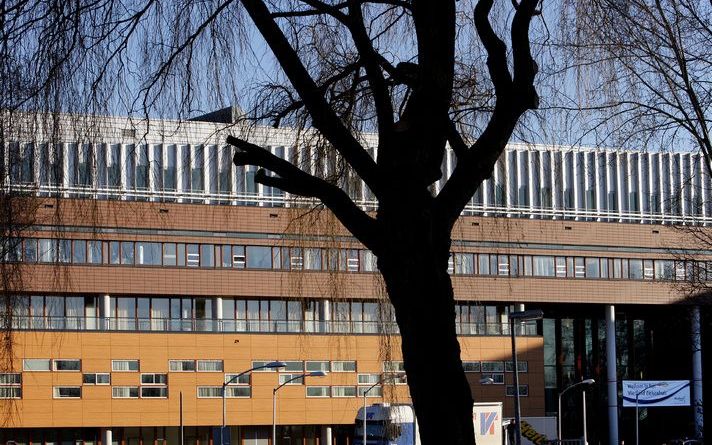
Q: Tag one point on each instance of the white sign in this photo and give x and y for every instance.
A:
(656, 393)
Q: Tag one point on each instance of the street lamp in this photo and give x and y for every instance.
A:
(519, 317)
(274, 398)
(654, 385)
(561, 394)
(486, 381)
(270, 365)
(379, 382)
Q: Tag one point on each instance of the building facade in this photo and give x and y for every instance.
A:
(150, 270)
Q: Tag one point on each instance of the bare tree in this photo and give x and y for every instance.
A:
(422, 75)
(639, 71)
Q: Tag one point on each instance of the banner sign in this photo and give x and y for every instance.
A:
(656, 393)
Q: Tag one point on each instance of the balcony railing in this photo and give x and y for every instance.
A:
(244, 326)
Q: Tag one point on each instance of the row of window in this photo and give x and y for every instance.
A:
(74, 365)
(208, 392)
(499, 367)
(46, 250)
(578, 267)
(117, 392)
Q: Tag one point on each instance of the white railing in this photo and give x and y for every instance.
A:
(287, 200)
(50, 323)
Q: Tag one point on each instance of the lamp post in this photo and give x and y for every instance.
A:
(561, 394)
(274, 398)
(379, 382)
(519, 317)
(654, 385)
(271, 365)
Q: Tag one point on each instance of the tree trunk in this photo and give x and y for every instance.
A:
(414, 268)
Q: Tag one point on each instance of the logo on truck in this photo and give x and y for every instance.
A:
(488, 422)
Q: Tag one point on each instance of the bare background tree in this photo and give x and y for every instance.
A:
(420, 74)
(638, 73)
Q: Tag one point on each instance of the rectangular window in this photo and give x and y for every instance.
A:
(207, 255)
(318, 391)
(148, 254)
(483, 264)
(579, 268)
(523, 390)
(94, 252)
(36, 364)
(10, 392)
(312, 366)
(244, 379)
(498, 378)
(238, 257)
(293, 366)
(67, 392)
(10, 386)
(169, 254)
(209, 392)
(393, 366)
(471, 366)
(10, 379)
(232, 392)
(79, 252)
(260, 363)
(193, 255)
(154, 379)
(593, 268)
(66, 365)
(492, 366)
(124, 392)
(47, 251)
(368, 379)
(124, 365)
(154, 392)
(96, 379)
(30, 250)
(291, 379)
(543, 266)
(343, 391)
(522, 365)
(114, 254)
(181, 365)
(375, 391)
(635, 269)
(343, 366)
(210, 365)
(259, 257)
(127, 252)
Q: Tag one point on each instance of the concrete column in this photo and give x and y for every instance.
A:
(326, 438)
(696, 332)
(106, 437)
(219, 310)
(105, 310)
(612, 375)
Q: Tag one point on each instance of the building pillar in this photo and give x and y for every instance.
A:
(326, 438)
(696, 332)
(106, 437)
(612, 374)
(519, 307)
(105, 310)
(219, 313)
(325, 316)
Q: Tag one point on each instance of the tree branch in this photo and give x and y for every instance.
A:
(323, 117)
(293, 180)
(513, 98)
